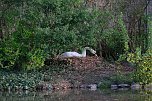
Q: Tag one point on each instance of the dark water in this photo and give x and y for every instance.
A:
(77, 95)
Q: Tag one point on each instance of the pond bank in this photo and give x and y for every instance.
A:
(67, 77)
(84, 73)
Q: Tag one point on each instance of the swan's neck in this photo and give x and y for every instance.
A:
(84, 53)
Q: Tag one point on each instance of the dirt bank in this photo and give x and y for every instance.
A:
(83, 71)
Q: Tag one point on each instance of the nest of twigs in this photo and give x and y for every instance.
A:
(89, 62)
(83, 62)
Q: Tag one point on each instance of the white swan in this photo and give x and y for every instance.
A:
(75, 54)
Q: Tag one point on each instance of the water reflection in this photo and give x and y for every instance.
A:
(77, 95)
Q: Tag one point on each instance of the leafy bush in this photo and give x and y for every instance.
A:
(117, 79)
(135, 57)
(22, 50)
(114, 39)
(143, 63)
(41, 29)
(15, 80)
(38, 34)
(105, 84)
(144, 70)
(122, 78)
(45, 28)
(18, 80)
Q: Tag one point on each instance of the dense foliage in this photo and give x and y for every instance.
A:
(19, 80)
(33, 30)
(36, 30)
(42, 28)
(144, 71)
(31, 80)
(142, 61)
(117, 79)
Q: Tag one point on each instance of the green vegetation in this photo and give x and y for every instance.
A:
(32, 31)
(21, 80)
(117, 79)
(36, 30)
(144, 69)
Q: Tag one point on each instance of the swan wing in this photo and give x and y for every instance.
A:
(71, 54)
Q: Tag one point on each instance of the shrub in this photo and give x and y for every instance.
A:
(22, 50)
(117, 79)
(41, 29)
(17, 81)
(114, 37)
(144, 70)
(122, 78)
(143, 63)
(105, 84)
(45, 29)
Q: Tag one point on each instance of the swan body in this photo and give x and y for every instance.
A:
(71, 54)
(75, 54)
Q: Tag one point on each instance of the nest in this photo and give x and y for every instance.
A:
(86, 62)
(83, 62)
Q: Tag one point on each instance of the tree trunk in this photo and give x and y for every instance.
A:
(150, 35)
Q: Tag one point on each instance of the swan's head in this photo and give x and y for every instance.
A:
(93, 51)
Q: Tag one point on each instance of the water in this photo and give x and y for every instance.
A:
(77, 95)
